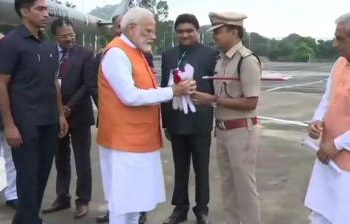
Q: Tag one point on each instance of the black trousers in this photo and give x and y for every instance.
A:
(81, 142)
(197, 148)
(33, 161)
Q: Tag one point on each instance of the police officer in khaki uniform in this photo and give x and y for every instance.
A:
(237, 132)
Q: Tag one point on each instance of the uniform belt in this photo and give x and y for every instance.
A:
(235, 123)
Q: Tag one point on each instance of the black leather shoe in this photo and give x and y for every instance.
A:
(56, 206)
(176, 217)
(143, 218)
(203, 219)
(103, 218)
(12, 203)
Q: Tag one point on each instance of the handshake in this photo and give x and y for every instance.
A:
(183, 86)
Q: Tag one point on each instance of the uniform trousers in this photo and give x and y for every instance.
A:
(237, 156)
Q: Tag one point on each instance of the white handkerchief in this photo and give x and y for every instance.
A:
(182, 103)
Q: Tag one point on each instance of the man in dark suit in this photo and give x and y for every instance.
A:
(79, 113)
(190, 134)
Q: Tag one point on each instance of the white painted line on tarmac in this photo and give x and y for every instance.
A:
(296, 85)
(278, 120)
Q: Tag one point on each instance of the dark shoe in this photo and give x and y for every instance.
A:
(12, 203)
(56, 206)
(143, 218)
(81, 211)
(177, 216)
(103, 218)
(203, 219)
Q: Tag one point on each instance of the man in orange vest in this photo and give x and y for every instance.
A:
(129, 134)
(328, 194)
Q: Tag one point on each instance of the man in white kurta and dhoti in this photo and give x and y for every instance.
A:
(328, 194)
(129, 134)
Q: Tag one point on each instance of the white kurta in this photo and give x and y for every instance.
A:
(328, 193)
(132, 182)
(10, 170)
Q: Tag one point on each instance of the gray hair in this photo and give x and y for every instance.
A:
(344, 19)
(135, 16)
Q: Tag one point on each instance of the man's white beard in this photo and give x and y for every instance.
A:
(146, 48)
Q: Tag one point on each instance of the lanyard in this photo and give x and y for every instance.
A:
(181, 59)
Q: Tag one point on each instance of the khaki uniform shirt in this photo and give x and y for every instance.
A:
(247, 86)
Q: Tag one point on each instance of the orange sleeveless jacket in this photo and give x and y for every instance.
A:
(122, 127)
(337, 119)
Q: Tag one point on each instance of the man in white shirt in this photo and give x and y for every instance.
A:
(328, 194)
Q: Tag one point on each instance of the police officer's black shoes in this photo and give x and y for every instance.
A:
(103, 218)
(203, 219)
(178, 216)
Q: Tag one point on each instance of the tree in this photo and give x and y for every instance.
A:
(303, 53)
(259, 44)
(159, 8)
(326, 50)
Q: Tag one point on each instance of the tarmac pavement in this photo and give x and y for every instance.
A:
(283, 165)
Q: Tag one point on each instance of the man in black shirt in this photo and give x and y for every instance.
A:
(190, 134)
(10, 192)
(31, 106)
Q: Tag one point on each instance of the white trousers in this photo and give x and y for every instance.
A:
(129, 218)
(11, 190)
(132, 182)
(317, 218)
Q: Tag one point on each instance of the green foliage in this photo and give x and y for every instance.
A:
(303, 53)
(159, 8)
(165, 36)
(291, 48)
(326, 50)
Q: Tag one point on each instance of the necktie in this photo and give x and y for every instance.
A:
(64, 64)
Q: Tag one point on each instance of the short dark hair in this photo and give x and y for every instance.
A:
(239, 29)
(20, 4)
(114, 18)
(59, 23)
(187, 18)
